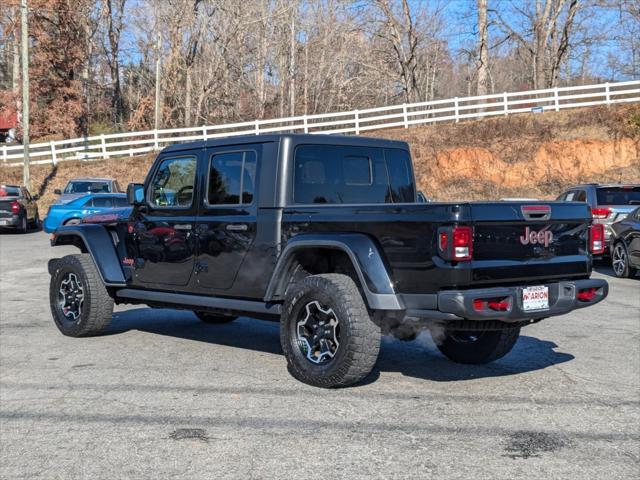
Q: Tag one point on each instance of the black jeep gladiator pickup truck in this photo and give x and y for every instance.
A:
(326, 235)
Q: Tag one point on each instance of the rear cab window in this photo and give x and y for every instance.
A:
(7, 191)
(333, 174)
(623, 195)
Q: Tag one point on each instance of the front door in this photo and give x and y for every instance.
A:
(161, 238)
(226, 225)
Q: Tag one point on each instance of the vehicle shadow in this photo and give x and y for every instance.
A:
(604, 269)
(419, 358)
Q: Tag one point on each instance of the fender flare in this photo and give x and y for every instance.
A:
(365, 256)
(99, 244)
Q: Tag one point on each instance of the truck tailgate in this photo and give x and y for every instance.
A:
(530, 242)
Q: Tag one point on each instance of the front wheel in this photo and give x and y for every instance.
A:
(326, 333)
(80, 303)
(478, 347)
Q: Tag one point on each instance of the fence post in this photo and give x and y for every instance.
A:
(155, 140)
(357, 122)
(204, 132)
(4, 154)
(257, 128)
(505, 100)
(556, 99)
(404, 115)
(54, 157)
(455, 112)
(306, 125)
(607, 93)
(103, 145)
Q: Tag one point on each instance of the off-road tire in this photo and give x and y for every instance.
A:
(212, 318)
(489, 346)
(97, 307)
(359, 337)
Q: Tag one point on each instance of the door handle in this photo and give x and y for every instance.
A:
(182, 226)
(237, 227)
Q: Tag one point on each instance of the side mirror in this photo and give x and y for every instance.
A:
(135, 194)
(57, 191)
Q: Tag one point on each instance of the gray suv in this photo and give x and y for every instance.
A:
(609, 203)
(79, 187)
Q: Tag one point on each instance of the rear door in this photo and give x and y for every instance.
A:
(226, 225)
(529, 242)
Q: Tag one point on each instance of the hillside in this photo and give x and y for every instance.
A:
(527, 155)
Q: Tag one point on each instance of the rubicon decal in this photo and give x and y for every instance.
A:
(542, 237)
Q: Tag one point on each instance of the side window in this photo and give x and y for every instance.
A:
(172, 185)
(232, 177)
(102, 202)
(88, 203)
(570, 196)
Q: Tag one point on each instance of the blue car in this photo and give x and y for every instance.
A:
(75, 210)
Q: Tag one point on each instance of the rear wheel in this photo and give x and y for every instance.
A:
(478, 347)
(80, 303)
(326, 333)
(620, 261)
(36, 221)
(213, 318)
(23, 226)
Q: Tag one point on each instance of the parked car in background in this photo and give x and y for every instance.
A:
(79, 187)
(18, 209)
(625, 245)
(78, 208)
(609, 203)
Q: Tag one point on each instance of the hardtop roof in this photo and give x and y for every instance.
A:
(296, 138)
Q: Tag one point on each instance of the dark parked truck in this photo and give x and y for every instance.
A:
(325, 235)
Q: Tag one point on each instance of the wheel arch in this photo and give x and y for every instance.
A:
(96, 241)
(356, 255)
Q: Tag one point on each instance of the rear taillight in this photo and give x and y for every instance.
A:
(455, 243)
(15, 207)
(596, 239)
(462, 243)
(600, 212)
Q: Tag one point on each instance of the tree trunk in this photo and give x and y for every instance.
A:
(187, 99)
(483, 49)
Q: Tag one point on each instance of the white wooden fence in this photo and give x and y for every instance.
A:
(356, 121)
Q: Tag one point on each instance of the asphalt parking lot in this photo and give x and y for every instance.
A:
(163, 395)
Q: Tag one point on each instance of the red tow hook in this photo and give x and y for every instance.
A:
(586, 294)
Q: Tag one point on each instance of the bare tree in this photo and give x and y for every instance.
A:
(114, 14)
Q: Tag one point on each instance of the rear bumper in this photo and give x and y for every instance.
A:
(455, 305)
(12, 221)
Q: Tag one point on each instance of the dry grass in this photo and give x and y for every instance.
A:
(513, 140)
